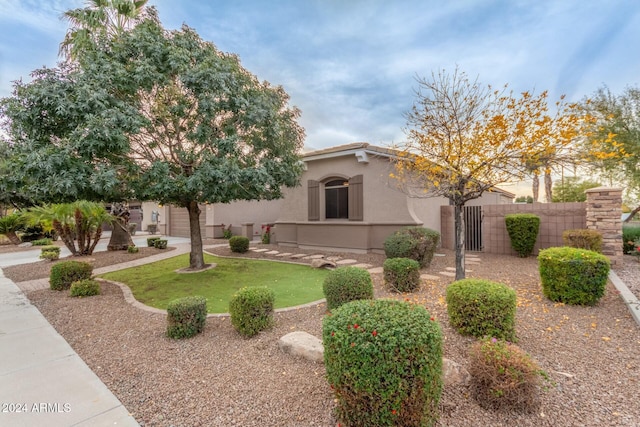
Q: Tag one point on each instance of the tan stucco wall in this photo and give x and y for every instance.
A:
(243, 212)
(382, 202)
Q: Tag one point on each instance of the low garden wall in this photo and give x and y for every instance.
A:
(602, 211)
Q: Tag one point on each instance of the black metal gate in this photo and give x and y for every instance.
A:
(473, 228)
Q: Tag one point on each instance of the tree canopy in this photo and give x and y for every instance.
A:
(572, 189)
(612, 146)
(464, 139)
(154, 115)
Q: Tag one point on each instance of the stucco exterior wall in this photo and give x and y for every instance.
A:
(385, 208)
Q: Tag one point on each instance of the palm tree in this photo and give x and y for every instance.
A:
(100, 19)
(10, 224)
(80, 221)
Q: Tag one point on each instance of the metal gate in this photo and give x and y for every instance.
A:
(473, 228)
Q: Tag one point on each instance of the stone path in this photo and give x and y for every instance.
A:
(336, 259)
(470, 260)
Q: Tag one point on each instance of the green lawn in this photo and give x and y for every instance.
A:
(157, 284)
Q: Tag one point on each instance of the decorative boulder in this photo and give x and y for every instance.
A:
(302, 344)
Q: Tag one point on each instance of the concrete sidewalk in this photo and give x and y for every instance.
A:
(43, 382)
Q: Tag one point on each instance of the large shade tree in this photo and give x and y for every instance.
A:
(157, 115)
(612, 146)
(463, 139)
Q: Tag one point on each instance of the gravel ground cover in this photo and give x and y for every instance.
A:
(221, 379)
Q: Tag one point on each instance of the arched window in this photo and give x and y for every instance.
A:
(343, 199)
(336, 199)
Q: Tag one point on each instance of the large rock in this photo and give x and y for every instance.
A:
(307, 346)
(322, 263)
(453, 373)
(302, 344)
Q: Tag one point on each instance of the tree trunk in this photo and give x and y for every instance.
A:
(196, 257)
(536, 187)
(13, 237)
(548, 189)
(459, 243)
(120, 238)
(632, 214)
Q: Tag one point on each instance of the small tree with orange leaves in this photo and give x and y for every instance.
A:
(612, 146)
(465, 139)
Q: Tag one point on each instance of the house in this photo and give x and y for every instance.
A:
(346, 202)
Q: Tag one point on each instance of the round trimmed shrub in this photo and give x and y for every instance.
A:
(64, 273)
(239, 244)
(345, 284)
(161, 243)
(583, 239)
(186, 316)
(482, 308)
(132, 249)
(573, 276)
(417, 243)
(383, 360)
(50, 252)
(401, 274)
(503, 376)
(85, 288)
(523, 232)
(251, 310)
(151, 241)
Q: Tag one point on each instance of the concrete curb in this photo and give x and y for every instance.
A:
(627, 296)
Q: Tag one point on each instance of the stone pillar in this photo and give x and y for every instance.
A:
(604, 213)
(247, 230)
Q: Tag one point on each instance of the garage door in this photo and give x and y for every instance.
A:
(179, 221)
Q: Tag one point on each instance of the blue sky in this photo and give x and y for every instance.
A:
(350, 65)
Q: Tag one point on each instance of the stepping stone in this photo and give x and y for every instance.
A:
(376, 270)
(365, 266)
(347, 261)
(448, 273)
(322, 263)
(334, 258)
(317, 256)
(272, 253)
(284, 254)
(439, 255)
(454, 269)
(260, 250)
(429, 277)
(298, 256)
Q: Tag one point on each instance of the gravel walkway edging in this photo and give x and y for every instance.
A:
(128, 296)
(627, 296)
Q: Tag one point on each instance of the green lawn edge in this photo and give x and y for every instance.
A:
(156, 284)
